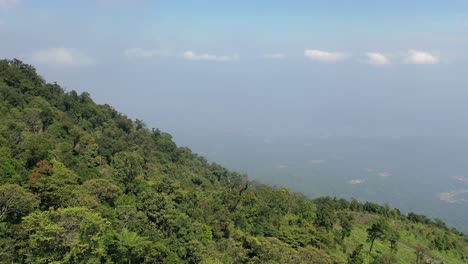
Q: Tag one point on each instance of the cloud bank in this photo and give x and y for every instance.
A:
(325, 56)
(67, 56)
(375, 58)
(190, 55)
(420, 57)
(61, 57)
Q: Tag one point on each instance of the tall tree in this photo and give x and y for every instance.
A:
(131, 244)
(377, 231)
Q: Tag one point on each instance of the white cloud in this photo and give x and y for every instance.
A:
(274, 56)
(5, 4)
(420, 57)
(190, 55)
(62, 57)
(384, 174)
(325, 56)
(357, 181)
(375, 58)
(143, 53)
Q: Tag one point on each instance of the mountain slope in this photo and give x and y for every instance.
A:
(82, 183)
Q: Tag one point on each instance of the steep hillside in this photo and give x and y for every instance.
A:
(82, 183)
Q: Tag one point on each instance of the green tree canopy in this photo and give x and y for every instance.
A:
(15, 201)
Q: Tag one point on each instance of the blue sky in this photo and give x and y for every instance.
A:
(271, 68)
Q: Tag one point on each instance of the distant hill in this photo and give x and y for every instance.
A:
(82, 183)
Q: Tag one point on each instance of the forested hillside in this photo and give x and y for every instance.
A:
(82, 183)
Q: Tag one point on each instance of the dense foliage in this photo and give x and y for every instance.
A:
(82, 183)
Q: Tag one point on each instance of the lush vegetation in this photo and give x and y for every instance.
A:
(82, 183)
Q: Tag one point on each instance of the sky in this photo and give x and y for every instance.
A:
(262, 68)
